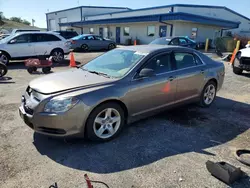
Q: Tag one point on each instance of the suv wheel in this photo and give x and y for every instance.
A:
(57, 55)
(4, 58)
(105, 122)
(208, 94)
(237, 70)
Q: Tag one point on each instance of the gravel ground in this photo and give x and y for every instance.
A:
(166, 150)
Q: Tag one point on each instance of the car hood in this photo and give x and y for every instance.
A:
(58, 82)
(245, 52)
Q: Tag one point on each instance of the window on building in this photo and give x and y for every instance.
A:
(126, 31)
(91, 30)
(151, 31)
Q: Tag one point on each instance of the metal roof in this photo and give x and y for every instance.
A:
(161, 17)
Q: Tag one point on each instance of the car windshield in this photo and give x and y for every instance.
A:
(161, 41)
(115, 63)
(6, 39)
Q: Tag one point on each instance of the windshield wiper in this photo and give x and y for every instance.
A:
(99, 73)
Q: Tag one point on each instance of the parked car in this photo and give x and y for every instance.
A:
(30, 44)
(176, 41)
(88, 42)
(67, 34)
(2, 36)
(119, 87)
(242, 60)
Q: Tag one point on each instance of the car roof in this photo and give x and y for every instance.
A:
(153, 48)
(37, 32)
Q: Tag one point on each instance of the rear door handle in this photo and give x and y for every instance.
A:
(171, 78)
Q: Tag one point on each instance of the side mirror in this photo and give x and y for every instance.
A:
(146, 73)
(248, 46)
(12, 41)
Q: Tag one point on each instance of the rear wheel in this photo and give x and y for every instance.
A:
(111, 46)
(4, 58)
(237, 70)
(31, 69)
(208, 94)
(57, 55)
(105, 122)
(85, 47)
(3, 69)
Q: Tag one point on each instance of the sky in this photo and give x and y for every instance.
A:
(36, 9)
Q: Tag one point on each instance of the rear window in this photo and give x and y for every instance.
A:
(68, 34)
(161, 41)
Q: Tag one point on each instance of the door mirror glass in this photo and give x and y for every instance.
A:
(146, 73)
(12, 41)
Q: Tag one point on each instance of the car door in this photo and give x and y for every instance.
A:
(190, 72)
(100, 42)
(45, 43)
(20, 46)
(158, 91)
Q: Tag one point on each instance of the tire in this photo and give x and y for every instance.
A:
(46, 70)
(237, 70)
(209, 91)
(31, 69)
(85, 47)
(57, 55)
(3, 69)
(92, 127)
(4, 58)
(111, 46)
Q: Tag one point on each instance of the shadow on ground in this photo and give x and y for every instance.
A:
(20, 65)
(6, 80)
(185, 129)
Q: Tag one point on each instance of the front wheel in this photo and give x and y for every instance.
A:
(237, 70)
(85, 47)
(111, 46)
(4, 58)
(208, 94)
(105, 122)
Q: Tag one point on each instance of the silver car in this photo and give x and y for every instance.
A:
(119, 87)
(88, 42)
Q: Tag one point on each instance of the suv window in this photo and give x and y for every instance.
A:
(198, 60)
(160, 63)
(184, 60)
(26, 38)
(46, 38)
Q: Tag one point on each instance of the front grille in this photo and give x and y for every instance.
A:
(245, 61)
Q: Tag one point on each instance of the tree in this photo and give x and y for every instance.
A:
(26, 22)
(16, 19)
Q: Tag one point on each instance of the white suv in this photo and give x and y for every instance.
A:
(31, 44)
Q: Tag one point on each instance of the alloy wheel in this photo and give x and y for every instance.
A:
(57, 56)
(209, 94)
(3, 59)
(107, 123)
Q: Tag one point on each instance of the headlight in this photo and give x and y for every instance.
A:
(238, 55)
(60, 104)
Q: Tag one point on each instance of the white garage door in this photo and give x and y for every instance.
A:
(63, 20)
(52, 25)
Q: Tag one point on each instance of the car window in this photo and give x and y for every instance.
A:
(198, 60)
(161, 41)
(174, 41)
(26, 38)
(182, 41)
(184, 60)
(98, 38)
(89, 38)
(160, 63)
(45, 38)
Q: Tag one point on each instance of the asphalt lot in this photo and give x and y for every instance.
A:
(166, 150)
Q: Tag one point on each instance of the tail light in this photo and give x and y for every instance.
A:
(73, 42)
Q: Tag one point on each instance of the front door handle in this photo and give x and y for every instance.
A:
(171, 78)
(202, 71)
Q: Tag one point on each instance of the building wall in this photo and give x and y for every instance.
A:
(137, 30)
(130, 14)
(204, 31)
(74, 15)
(219, 13)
